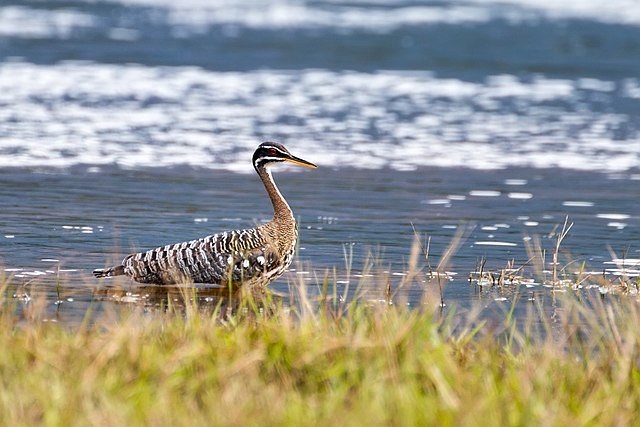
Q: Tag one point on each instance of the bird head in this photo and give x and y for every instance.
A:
(269, 153)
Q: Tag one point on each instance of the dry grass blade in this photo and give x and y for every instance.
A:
(560, 237)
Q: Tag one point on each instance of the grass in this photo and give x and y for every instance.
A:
(323, 363)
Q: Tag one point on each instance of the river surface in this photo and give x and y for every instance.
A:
(130, 124)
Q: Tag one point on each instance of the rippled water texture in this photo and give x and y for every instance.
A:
(66, 224)
(82, 114)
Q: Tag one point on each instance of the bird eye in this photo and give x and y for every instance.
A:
(272, 152)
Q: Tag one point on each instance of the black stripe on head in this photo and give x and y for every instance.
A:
(269, 152)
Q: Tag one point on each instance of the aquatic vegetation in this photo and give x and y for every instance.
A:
(319, 361)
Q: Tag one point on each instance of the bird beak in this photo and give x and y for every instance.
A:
(298, 161)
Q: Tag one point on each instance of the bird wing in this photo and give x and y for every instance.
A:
(234, 256)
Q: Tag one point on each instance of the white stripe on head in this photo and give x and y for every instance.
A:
(267, 160)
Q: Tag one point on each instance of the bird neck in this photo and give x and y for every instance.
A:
(281, 209)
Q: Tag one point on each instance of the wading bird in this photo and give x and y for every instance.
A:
(254, 256)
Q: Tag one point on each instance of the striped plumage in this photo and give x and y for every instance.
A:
(239, 257)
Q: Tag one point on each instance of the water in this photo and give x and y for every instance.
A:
(129, 124)
(67, 223)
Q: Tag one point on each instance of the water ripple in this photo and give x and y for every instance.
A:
(81, 113)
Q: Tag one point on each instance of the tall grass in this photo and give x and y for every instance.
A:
(326, 362)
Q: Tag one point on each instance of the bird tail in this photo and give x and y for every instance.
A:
(118, 270)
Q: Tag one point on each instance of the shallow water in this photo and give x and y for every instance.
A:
(66, 224)
(129, 124)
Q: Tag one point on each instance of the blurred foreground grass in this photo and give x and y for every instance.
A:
(321, 364)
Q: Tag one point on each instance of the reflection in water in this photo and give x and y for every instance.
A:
(161, 297)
